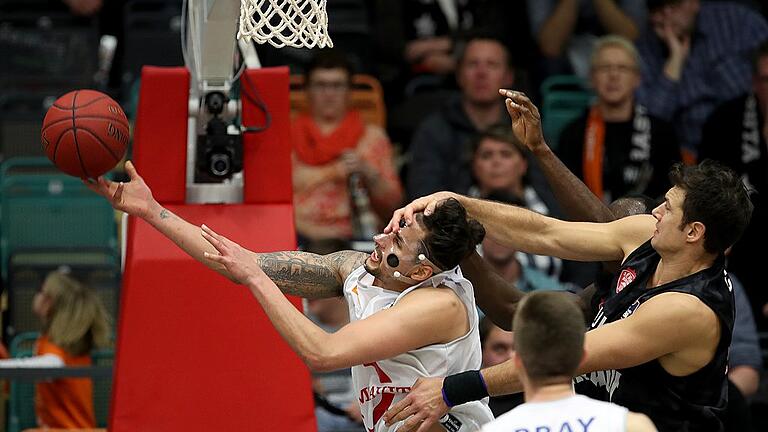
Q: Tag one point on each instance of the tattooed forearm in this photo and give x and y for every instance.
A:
(305, 274)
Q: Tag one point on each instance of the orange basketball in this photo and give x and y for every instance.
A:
(85, 133)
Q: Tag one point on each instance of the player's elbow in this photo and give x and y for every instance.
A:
(322, 360)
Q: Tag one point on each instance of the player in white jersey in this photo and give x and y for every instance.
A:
(549, 345)
(399, 335)
(385, 382)
(412, 314)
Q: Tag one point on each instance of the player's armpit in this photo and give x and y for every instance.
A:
(310, 275)
(676, 328)
(423, 317)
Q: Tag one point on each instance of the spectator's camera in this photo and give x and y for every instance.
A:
(219, 154)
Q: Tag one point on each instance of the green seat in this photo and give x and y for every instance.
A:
(564, 97)
(21, 406)
(52, 212)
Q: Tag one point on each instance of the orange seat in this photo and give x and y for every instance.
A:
(367, 97)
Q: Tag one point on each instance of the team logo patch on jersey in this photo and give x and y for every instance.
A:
(625, 278)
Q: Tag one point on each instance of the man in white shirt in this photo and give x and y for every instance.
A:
(549, 345)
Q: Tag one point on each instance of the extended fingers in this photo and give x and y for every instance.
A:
(395, 413)
(214, 239)
(394, 223)
(131, 170)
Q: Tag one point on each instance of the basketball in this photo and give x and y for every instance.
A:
(85, 133)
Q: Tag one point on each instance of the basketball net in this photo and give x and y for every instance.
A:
(293, 23)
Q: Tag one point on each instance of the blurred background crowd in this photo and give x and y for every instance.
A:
(407, 104)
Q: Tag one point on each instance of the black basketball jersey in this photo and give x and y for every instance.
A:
(691, 403)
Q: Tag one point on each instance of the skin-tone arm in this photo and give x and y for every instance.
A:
(307, 176)
(614, 20)
(681, 349)
(497, 297)
(678, 47)
(637, 422)
(558, 28)
(424, 317)
(579, 203)
(531, 232)
(296, 273)
(746, 378)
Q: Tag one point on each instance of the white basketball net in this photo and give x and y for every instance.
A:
(294, 23)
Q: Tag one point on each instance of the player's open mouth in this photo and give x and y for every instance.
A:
(375, 256)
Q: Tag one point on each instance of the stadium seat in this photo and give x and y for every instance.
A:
(367, 97)
(564, 97)
(152, 30)
(44, 213)
(21, 409)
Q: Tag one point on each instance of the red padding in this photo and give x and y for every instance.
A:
(196, 352)
(160, 139)
(267, 153)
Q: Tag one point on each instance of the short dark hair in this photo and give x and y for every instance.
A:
(485, 37)
(549, 335)
(451, 236)
(328, 59)
(716, 197)
(501, 133)
(654, 5)
(631, 205)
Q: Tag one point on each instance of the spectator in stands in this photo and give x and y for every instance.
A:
(745, 361)
(566, 30)
(696, 56)
(500, 171)
(498, 346)
(74, 323)
(441, 152)
(500, 164)
(331, 143)
(736, 134)
(616, 147)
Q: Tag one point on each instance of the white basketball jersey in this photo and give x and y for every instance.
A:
(381, 384)
(575, 413)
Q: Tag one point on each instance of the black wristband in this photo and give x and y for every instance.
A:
(464, 387)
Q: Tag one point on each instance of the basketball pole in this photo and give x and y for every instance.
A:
(195, 352)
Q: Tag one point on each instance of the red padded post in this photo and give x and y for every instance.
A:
(160, 138)
(267, 154)
(196, 352)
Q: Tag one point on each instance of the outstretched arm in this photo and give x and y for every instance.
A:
(297, 273)
(682, 350)
(579, 203)
(423, 317)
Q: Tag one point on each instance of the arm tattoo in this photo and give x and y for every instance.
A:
(308, 275)
(165, 214)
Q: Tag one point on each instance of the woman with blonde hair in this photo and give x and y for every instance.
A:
(74, 323)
